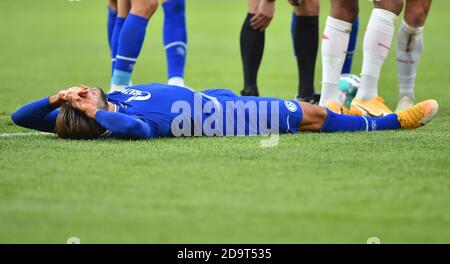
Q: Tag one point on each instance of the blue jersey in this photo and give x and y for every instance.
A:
(159, 110)
(160, 105)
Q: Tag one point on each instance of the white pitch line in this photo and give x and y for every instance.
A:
(26, 134)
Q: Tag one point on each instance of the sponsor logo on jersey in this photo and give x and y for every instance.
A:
(136, 95)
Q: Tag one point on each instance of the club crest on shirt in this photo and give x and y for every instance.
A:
(136, 95)
(290, 106)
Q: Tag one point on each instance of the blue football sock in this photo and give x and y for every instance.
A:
(175, 37)
(130, 43)
(111, 21)
(347, 68)
(346, 123)
(118, 24)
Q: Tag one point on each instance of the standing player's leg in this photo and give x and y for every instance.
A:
(335, 41)
(252, 49)
(112, 14)
(377, 42)
(123, 7)
(175, 39)
(305, 36)
(409, 49)
(347, 68)
(130, 40)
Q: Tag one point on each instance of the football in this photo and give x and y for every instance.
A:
(348, 87)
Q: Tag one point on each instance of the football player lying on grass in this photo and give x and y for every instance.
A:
(159, 110)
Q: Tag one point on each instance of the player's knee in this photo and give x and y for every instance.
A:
(145, 8)
(320, 117)
(153, 5)
(314, 117)
(416, 18)
(317, 120)
(346, 11)
(394, 6)
(113, 5)
(416, 21)
(252, 6)
(307, 8)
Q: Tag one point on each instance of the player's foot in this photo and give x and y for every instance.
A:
(373, 107)
(418, 115)
(177, 81)
(312, 99)
(334, 107)
(250, 91)
(341, 109)
(404, 103)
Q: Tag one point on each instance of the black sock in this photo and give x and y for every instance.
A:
(252, 49)
(305, 34)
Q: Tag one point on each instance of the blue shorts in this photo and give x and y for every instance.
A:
(257, 115)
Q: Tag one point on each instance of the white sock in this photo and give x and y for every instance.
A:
(115, 87)
(334, 47)
(409, 49)
(178, 81)
(377, 42)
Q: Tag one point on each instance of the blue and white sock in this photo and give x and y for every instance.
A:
(118, 24)
(129, 46)
(175, 40)
(347, 68)
(112, 15)
(346, 123)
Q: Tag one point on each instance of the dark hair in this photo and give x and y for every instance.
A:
(74, 124)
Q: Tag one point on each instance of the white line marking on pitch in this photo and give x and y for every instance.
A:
(26, 134)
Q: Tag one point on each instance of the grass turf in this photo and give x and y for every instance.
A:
(316, 188)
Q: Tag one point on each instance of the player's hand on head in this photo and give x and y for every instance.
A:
(62, 95)
(78, 102)
(81, 91)
(264, 14)
(82, 102)
(84, 90)
(58, 99)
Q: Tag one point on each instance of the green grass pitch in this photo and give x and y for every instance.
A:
(311, 188)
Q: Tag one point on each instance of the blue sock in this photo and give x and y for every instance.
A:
(111, 21)
(175, 37)
(345, 123)
(118, 24)
(130, 43)
(347, 68)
